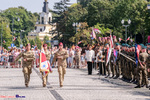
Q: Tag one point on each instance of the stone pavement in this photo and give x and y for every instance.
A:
(77, 86)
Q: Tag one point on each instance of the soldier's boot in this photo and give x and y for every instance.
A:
(26, 79)
(44, 81)
(138, 86)
(61, 84)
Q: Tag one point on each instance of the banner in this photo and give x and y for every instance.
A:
(45, 67)
(148, 39)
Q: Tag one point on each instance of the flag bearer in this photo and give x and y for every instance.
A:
(28, 58)
(47, 54)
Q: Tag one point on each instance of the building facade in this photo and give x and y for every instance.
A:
(44, 25)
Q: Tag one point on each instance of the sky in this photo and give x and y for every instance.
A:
(30, 5)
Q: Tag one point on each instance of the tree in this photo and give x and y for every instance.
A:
(6, 36)
(25, 41)
(32, 42)
(18, 42)
(26, 22)
(46, 38)
(38, 42)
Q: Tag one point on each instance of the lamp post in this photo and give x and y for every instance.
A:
(75, 26)
(129, 22)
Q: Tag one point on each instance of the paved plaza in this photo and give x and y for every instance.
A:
(77, 86)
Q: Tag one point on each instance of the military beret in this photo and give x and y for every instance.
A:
(117, 44)
(148, 43)
(60, 44)
(144, 47)
(44, 45)
(28, 44)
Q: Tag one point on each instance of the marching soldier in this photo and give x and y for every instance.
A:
(142, 72)
(47, 54)
(28, 58)
(61, 56)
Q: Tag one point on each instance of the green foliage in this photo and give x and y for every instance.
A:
(38, 42)
(25, 41)
(6, 36)
(18, 42)
(32, 42)
(46, 38)
(26, 22)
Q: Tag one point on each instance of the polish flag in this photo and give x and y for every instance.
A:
(97, 30)
(128, 39)
(93, 34)
(120, 39)
(111, 41)
(148, 39)
(79, 42)
(44, 64)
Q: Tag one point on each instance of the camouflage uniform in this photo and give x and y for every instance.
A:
(62, 64)
(142, 71)
(26, 65)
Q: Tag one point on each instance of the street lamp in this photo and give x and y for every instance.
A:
(75, 26)
(129, 22)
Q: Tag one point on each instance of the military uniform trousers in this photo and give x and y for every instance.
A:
(142, 74)
(77, 62)
(108, 68)
(27, 71)
(44, 78)
(62, 72)
(118, 68)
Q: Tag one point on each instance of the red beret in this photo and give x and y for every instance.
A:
(28, 44)
(60, 44)
(44, 45)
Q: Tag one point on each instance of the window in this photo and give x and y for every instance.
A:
(49, 20)
(35, 27)
(42, 20)
(40, 29)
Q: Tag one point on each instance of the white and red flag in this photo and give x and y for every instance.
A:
(111, 41)
(97, 31)
(79, 42)
(44, 64)
(120, 39)
(128, 39)
(109, 50)
(93, 34)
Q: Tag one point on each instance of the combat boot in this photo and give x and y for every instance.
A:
(44, 85)
(26, 84)
(138, 86)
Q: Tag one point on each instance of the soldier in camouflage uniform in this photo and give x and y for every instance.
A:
(61, 56)
(47, 54)
(142, 71)
(148, 62)
(28, 58)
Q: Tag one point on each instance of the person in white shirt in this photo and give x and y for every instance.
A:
(90, 54)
